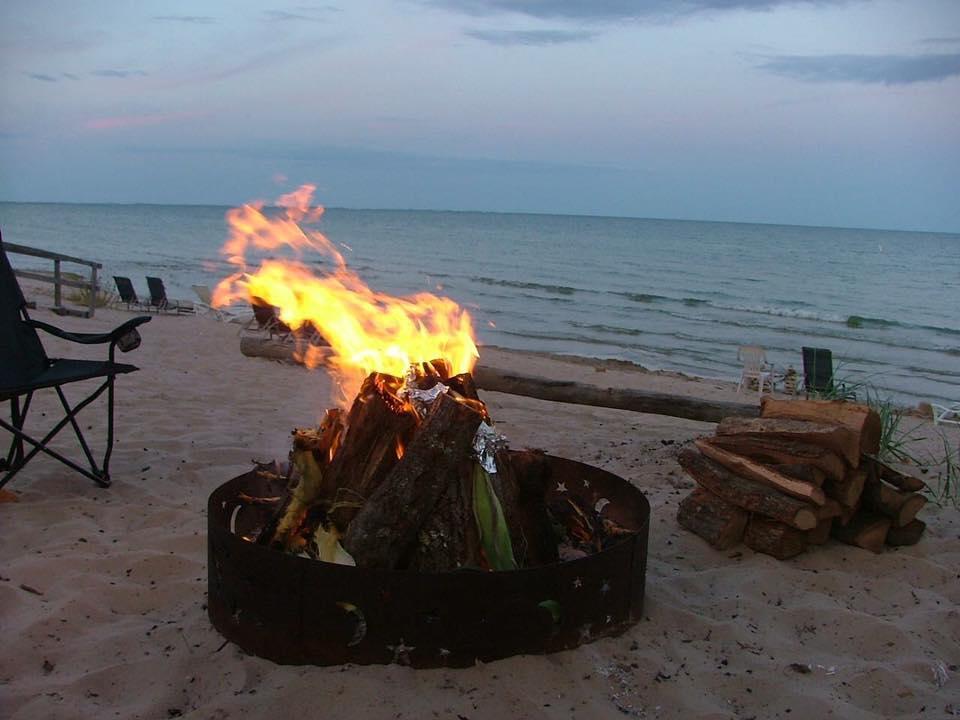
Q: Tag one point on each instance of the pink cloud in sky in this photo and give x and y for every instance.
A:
(127, 121)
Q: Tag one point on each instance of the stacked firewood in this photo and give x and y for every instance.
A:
(801, 473)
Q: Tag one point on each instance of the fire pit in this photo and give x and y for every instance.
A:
(297, 610)
(403, 529)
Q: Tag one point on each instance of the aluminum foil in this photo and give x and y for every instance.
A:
(486, 443)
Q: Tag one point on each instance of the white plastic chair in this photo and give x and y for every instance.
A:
(755, 367)
(946, 414)
(206, 301)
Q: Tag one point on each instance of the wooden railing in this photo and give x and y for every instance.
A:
(59, 282)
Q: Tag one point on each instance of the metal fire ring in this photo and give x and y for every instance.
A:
(295, 610)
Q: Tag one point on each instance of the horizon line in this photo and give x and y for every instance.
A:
(494, 212)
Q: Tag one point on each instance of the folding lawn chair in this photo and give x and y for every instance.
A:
(25, 368)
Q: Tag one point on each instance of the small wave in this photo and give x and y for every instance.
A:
(642, 297)
(694, 302)
(610, 329)
(857, 321)
(556, 289)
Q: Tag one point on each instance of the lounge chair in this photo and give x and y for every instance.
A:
(946, 414)
(128, 296)
(267, 319)
(159, 300)
(755, 367)
(205, 306)
(25, 368)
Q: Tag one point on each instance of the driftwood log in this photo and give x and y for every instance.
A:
(682, 406)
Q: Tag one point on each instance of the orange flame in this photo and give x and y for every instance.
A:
(368, 331)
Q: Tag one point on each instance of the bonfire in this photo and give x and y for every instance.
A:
(408, 471)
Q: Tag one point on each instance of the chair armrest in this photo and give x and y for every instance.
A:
(92, 338)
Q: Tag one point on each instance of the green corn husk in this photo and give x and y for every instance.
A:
(494, 534)
(303, 496)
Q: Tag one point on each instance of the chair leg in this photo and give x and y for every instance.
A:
(93, 472)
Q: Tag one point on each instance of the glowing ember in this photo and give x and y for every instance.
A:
(368, 331)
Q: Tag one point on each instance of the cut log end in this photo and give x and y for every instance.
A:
(720, 523)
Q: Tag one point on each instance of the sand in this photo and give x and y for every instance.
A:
(102, 591)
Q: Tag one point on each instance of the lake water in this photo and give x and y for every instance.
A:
(665, 294)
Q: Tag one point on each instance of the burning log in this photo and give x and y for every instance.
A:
(384, 528)
(379, 426)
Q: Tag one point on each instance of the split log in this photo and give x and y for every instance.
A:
(900, 507)
(779, 451)
(900, 480)
(821, 533)
(847, 514)
(774, 538)
(804, 473)
(865, 530)
(847, 491)
(449, 538)
(566, 391)
(862, 420)
(378, 428)
(746, 493)
(909, 534)
(719, 523)
(383, 531)
(755, 471)
(841, 440)
(830, 509)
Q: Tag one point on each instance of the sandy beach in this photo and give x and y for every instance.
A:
(102, 591)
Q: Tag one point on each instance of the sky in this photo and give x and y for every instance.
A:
(811, 112)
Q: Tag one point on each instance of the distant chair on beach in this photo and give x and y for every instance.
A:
(128, 296)
(946, 414)
(266, 319)
(818, 379)
(755, 367)
(205, 305)
(159, 300)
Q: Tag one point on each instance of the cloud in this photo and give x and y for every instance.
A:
(115, 73)
(194, 19)
(614, 10)
(530, 37)
(124, 121)
(941, 40)
(69, 76)
(41, 76)
(864, 69)
(301, 13)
